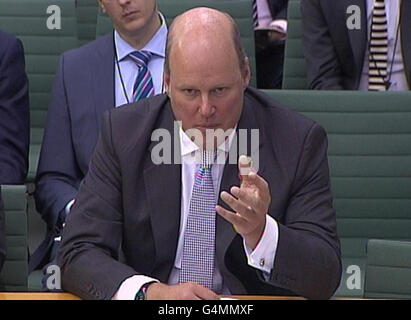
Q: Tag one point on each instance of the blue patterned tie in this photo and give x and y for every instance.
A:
(255, 14)
(143, 86)
(197, 263)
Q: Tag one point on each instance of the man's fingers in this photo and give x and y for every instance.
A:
(255, 180)
(204, 293)
(244, 211)
(232, 217)
(246, 197)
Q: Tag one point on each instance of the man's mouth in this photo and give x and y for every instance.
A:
(128, 14)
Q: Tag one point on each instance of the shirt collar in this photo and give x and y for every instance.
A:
(157, 44)
(187, 146)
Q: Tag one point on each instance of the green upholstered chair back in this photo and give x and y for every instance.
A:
(240, 10)
(369, 154)
(388, 272)
(294, 74)
(27, 20)
(86, 12)
(14, 274)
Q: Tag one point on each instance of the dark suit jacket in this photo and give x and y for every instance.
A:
(278, 8)
(335, 54)
(2, 234)
(126, 200)
(83, 90)
(14, 112)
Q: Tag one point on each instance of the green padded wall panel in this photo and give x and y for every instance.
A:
(369, 153)
(388, 270)
(14, 274)
(86, 12)
(294, 75)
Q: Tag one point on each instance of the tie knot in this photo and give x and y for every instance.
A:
(141, 57)
(208, 158)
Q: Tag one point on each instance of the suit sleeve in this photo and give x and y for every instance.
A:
(58, 175)
(278, 9)
(93, 231)
(14, 113)
(323, 66)
(308, 257)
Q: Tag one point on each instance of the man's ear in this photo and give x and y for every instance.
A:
(103, 9)
(246, 73)
(166, 83)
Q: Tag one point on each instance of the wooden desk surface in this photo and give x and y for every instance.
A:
(68, 296)
(36, 296)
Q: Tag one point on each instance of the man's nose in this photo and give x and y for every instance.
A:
(123, 2)
(206, 108)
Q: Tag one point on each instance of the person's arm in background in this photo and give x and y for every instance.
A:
(58, 175)
(322, 64)
(14, 112)
(279, 9)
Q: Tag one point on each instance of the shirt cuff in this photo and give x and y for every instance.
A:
(280, 24)
(263, 256)
(129, 287)
(68, 207)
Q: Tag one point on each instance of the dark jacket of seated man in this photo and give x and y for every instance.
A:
(127, 201)
(2, 235)
(14, 112)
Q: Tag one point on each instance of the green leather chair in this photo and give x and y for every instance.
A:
(86, 12)
(369, 154)
(294, 73)
(27, 20)
(388, 272)
(14, 274)
(241, 11)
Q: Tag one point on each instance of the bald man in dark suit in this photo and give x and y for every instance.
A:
(274, 231)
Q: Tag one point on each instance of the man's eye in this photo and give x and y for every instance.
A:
(219, 91)
(190, 92)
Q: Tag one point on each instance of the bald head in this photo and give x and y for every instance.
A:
(205, 29)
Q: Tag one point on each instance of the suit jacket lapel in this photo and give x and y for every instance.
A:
(163, 185)
(406, 37)
(358, 38)
(102, 69)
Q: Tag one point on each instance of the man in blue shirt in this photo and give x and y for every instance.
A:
(119, 68)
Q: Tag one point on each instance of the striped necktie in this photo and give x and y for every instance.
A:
(378, 48)
(255, 14)
(143, 86)
(197, 262)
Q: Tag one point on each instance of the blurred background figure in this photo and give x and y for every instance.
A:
(14, 112)
(270, 25)
(362, 47)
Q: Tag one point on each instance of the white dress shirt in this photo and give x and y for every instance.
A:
(398, 79)
(261, 258)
